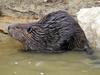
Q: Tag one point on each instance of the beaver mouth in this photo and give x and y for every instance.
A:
(10, 32)
(16, 34)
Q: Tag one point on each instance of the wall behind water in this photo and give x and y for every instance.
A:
(42, 7)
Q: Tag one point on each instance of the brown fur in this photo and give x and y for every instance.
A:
(55, 32)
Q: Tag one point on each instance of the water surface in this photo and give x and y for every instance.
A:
(15, 62)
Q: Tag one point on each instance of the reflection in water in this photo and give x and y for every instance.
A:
(15, 62)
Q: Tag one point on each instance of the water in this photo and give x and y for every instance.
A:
(15, 62)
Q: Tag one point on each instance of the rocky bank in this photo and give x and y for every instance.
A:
(25, 11)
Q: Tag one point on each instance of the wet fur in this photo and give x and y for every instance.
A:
(55, 32)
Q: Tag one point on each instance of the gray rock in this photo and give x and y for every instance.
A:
(90, 22)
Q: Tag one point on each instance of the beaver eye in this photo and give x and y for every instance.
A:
(29, 30)
(17, 27)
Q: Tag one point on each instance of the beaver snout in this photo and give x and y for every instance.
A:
(10, 30)
(9, 27)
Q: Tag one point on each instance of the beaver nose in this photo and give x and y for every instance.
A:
(8, 27)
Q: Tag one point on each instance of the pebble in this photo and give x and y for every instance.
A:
(38, 63)
(29, 62)
(45, 0)
(15, 72)
(84, 71)
(41, 73)
(16, 63)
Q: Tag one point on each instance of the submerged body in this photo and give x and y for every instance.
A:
(55, 32)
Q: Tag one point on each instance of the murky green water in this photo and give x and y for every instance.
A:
(15, 62)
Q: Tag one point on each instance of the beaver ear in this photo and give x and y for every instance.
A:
(29, 30)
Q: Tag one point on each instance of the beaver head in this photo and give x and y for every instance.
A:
(19, 31)
(26, 34)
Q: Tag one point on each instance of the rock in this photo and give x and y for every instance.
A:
(40, 8)
(89, 20)
(4, 29)
(76, 5)
(31, 8)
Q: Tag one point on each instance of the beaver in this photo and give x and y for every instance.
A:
(55, 32)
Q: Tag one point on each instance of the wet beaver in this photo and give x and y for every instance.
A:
(55, 32)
